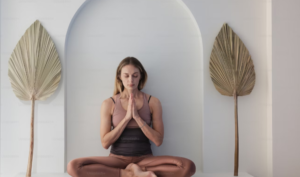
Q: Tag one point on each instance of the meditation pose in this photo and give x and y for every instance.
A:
(131, 113)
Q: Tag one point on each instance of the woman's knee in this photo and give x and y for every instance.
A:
(72, 167)
(190, 167)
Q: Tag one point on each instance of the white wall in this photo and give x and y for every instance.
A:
(286, 85)
(49, 127)
(247, 18)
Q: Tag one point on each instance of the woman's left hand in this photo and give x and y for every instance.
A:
(135, 114)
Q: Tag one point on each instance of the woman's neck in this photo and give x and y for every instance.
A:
(126, 93)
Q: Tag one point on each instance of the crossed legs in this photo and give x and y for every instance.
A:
(112, 166)
(168, 166)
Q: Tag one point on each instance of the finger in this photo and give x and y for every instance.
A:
(130, 99)
(132, 106)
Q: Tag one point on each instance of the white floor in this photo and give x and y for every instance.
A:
(241, 174)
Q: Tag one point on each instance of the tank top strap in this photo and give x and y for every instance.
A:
(144, 98)
(113, 100)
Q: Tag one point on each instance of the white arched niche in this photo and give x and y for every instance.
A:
(165, 37)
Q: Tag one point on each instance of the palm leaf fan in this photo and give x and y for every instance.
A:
(34, 71)
(232, 72)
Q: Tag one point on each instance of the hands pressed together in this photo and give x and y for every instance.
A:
(131, 108)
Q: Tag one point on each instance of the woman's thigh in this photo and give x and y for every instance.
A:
(109, 164)
(104, 160)
(165, 159)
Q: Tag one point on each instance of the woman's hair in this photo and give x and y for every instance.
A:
(129, 61)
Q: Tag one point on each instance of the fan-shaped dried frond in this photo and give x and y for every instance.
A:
(34, 65)
(231, 66)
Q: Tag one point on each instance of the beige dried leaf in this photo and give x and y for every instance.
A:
(231, 66)
(34, 66)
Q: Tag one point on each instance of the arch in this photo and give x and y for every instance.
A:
(167, 40)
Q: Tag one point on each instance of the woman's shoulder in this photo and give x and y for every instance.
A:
(110, 102)
(154, 101)
(111, 99)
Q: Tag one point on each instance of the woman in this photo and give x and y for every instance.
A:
(131, 154)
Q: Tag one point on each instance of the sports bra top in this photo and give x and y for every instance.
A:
(119, 113)
(132, 141)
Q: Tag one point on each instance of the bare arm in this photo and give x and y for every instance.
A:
(155, 134)
(109, 136)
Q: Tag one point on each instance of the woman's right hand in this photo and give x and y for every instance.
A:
(129, 108)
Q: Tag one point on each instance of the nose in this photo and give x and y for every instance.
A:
(131, 79)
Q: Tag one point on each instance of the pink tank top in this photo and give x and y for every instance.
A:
(119, 113)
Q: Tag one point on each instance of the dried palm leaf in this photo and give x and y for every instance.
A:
(34, 71)
(232, 72)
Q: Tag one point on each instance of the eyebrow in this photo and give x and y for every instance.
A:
(133, 73)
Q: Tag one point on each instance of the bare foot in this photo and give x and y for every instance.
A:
(137, 171)
(128, 166)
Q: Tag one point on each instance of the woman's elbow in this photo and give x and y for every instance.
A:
(105, 146)
(159, 143)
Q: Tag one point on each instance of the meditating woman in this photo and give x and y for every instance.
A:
(130, 153)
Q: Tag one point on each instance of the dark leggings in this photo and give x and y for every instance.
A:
(110, 166)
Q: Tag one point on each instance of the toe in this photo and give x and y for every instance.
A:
(129, 166)
(152, 174)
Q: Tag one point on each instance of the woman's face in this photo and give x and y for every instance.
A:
(130, 76)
